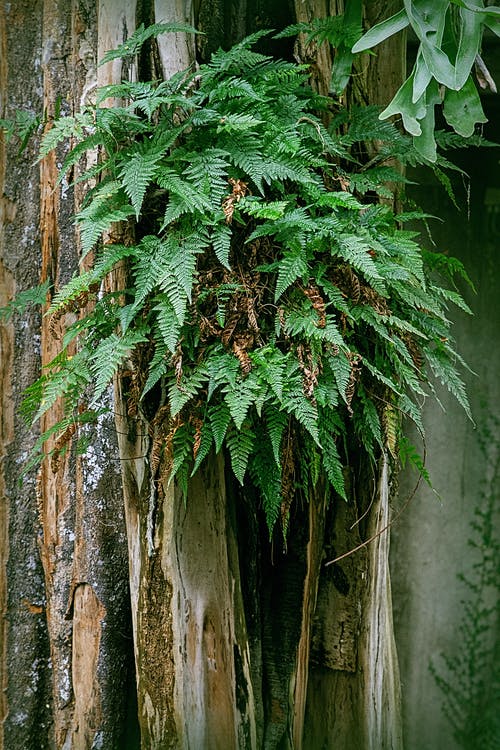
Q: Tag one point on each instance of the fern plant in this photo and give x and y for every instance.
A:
(280, 313)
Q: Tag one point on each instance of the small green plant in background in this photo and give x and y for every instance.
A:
(470, 679)
(272, 307)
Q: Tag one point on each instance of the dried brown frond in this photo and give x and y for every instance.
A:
(177, 364)
(60, 444)
(375, 300)
(310, 370)
(198, 425)
(318, 303)
(241, 344)
(240, 189)
(158, 430)
(287, 482)
(72, 306)
(414, 351)
(355, 361)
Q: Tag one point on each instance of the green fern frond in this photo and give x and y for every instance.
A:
(91, 141)
(125, 90)
(109, 355)
(108, 206)
(371, 420)
(184, 196)
(110, 255)
(139, 167)
(239, 58)
(63, 129)
(288, 169)
(222, 369)
(221, 238)
(167, 265)
(341, 369)
(356, 251)
(448, 266)
(224, 294)
(32, 398)
(266, 476)
(305, 412)
(450, 295)
(446, 373)
(240, 444)
(133, 45)
(231, 123)
(293, 266)
(326, 392)
(332, 464)
(72, 290)
(378, 375)
(36, 296)
(241, 396)
(183, 456)
(276, 422)
(234, 87)
(418, 297)
(219, 417)
(168, 321)
(408, 454)
(157, 367)
(65, 377)
(209, 171)
(255, 206)
(181, 393)
(270, 365)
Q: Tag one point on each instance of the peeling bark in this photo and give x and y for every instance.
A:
(6, 410)
(77, 505)
(382, 689)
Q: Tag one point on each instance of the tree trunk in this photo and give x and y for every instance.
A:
(236, 644)
(23, 632)
(73, 506)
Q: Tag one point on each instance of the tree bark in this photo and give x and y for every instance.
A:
(24, 665)
(73, 507)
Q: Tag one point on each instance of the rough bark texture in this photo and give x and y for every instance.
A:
(74, 508)
(24, 646)
(236, 643)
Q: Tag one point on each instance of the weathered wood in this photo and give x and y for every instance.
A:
(318, 57)
(6, 404)
(382, 692)
(81, 546)
(317, 511)
(177, 51)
